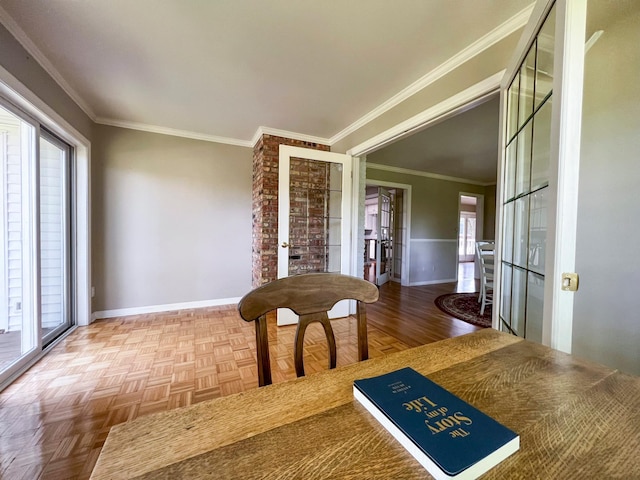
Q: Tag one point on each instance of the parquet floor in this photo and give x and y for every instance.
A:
(55, 418)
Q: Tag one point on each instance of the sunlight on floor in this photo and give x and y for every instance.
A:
(466, 280)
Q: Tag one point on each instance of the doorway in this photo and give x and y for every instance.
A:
(379, 235)
(467, 233)
(470, 231)
(386, 232)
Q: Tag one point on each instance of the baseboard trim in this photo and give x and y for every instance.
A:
(122, 312)
(433, 282)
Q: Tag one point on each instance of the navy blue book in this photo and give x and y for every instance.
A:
(449, 437)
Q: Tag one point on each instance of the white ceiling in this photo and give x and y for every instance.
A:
(464, 146)
(222, 68)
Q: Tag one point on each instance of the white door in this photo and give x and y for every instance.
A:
(541, 96)
(384, 242)
(314, 217)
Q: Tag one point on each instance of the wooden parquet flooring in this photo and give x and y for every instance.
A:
(55, 418)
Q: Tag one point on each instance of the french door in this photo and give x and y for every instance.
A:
(35, 245)
(314, 217)
(384, 243)
(467, 236)
(541, 97)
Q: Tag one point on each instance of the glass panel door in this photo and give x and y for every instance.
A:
(315, 199)
(384, 245)
(314, 205)
(35, 240)
(54, 236)
(525, 188)
(18, 316)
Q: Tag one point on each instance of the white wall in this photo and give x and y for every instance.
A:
(171, 220)
(606, 324)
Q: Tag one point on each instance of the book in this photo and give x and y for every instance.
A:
(446, 435)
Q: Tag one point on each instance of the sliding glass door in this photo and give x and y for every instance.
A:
(35, 240)
(54, 179)
(18, 318)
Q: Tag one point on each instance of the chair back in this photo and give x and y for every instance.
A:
(486, 258)
(486, 251)
(310, 296)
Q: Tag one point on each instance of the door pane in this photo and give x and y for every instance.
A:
(507, 237)
(315, 209)
(510, 170)
(523, 167)
(535, 302)
(521, 231)
(544, 61)
(541, 146)
(505, 304)
(512, 108)
(518, 301)
(538, 230)
(53, 237)
(527, 86)
(18, 327)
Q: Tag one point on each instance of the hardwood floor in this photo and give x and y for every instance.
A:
(55, 418)
(409, 314)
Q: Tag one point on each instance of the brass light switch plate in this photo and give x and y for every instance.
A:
(570, 282)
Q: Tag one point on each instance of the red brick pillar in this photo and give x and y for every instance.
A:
(265, 204)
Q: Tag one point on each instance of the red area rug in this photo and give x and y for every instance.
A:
(464, 306)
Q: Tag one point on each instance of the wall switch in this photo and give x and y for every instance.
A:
(93, 292)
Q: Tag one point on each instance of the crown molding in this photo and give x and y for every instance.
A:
(472, 96)
(262, 130)
(419, 173)
(173, 132)
(494, 36)
(485, 42)
(22, 38)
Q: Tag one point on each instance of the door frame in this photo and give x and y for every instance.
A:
(466, 99)
(566, 124)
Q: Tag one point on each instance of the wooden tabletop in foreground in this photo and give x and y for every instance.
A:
(575, 419)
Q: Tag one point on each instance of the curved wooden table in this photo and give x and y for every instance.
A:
(576, 419)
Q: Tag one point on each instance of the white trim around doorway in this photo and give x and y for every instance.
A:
(466, 99)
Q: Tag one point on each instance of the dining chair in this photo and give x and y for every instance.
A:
(310, 296)
(485, 251)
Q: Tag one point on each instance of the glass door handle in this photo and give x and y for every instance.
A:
(286, 245)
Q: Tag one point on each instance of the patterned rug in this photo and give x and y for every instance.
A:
(464, 306)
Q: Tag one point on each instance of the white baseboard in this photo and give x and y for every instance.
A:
(433, 282)
(121, 312)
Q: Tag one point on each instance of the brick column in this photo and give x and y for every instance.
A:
(265, 205)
